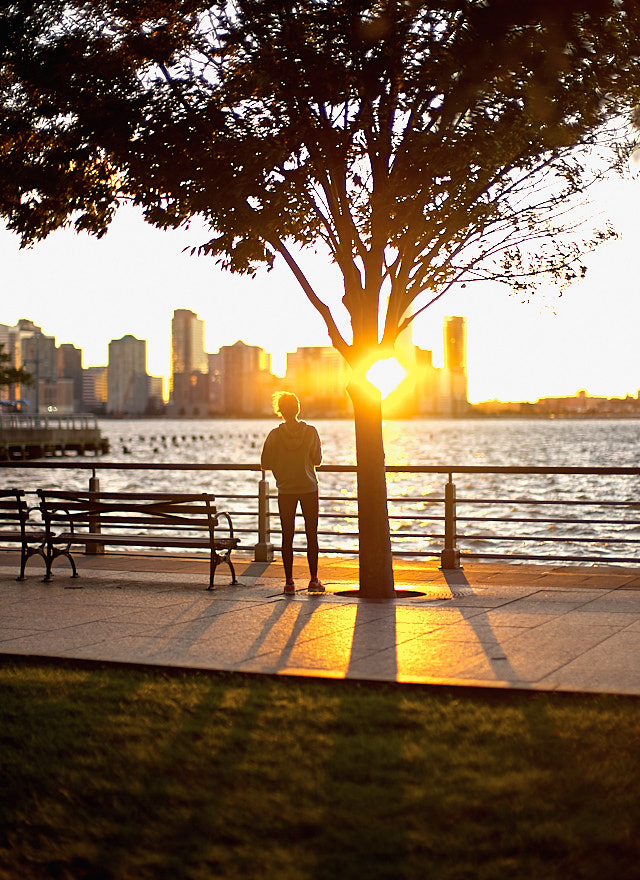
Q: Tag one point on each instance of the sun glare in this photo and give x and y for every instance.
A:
(386, 375)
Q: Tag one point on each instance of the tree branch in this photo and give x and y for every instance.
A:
(336, 337)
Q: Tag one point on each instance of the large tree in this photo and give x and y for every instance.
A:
(423, 144)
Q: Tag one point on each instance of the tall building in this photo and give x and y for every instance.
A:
(37, 353)
(246, 379)
(127, 379)
(455, 364)
(455, 344)
(155, 405)
(190, 395)
(319, 376)
(94, 389)
(216, 388)
(428, 382)
(189, 383)
(70, 367)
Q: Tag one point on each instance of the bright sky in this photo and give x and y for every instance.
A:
(88, 291)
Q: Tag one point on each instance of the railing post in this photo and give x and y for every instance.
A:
(450, 555)
(94, 521)
(263, 550)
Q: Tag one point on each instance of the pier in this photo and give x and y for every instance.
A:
(24, 437)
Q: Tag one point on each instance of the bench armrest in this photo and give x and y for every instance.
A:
(48, 514)
(223, 513)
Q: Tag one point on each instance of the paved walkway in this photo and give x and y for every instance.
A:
(500, 626)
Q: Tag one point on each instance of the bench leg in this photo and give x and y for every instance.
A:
(216, 559)
(25, 555)
(49, 562)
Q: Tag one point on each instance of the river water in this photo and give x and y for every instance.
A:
(546, 443)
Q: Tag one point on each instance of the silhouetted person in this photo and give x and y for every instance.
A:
(292, 451)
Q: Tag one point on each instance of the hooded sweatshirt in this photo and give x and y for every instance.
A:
(292, 451)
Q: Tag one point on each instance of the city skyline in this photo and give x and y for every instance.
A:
(87, 292)
(237, 380)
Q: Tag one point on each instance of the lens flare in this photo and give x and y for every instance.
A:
(386, 375)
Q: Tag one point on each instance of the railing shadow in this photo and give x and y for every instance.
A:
(495, 652)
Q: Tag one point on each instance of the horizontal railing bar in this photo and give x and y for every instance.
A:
(404, 518)
(461, 537)
(470, 501)
(547, 557)
(392, 499)
(515, 519)
(557, 539)
(410, 517)
(242, 512)
(397, 535)
(566, 501)
(94, 464)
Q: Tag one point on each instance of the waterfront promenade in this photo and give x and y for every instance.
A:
(488, 625)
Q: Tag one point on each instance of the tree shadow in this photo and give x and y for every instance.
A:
(375, 625)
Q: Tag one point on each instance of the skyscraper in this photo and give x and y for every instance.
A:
(127, 379)
(70, 367)
(188, 388)
(455, 363)
(455, 344)
(187, 343)
(94, 389)
(246, 378)
(37, 353)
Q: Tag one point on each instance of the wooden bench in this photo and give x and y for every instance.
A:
(15, 527)
(135, 519)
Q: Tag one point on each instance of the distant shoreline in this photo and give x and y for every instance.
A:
(533, 417)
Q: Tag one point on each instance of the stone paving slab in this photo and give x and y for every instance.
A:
(499, 626)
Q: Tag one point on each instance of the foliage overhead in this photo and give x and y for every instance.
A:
(422, 143)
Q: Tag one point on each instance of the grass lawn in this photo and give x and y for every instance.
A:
(111, 773)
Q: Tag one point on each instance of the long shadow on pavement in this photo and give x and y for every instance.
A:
(479, 622)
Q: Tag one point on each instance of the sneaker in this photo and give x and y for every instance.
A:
(289, 587)
(316, 586)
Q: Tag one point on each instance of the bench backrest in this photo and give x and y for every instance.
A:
(13, 508)
(113, 510)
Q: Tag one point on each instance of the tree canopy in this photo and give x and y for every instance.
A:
(422, 144)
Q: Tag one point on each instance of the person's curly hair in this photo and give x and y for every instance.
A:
(286, 404)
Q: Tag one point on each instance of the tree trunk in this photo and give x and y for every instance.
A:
(376, 564)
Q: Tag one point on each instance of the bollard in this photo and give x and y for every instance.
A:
(263, 550)
(94, 521)
(450, 555)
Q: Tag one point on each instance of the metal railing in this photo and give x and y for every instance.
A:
(542, 526)
(12, 421)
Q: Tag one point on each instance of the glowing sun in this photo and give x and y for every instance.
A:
(386, 375)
